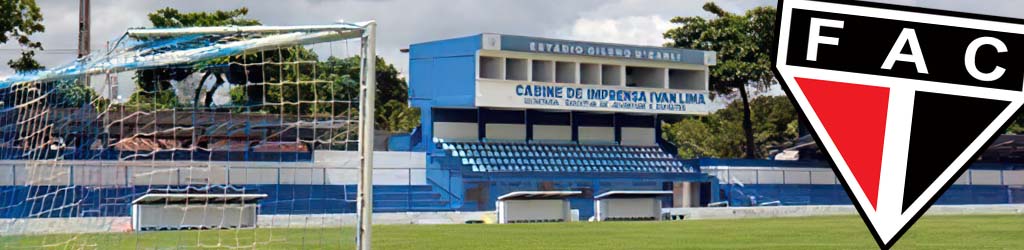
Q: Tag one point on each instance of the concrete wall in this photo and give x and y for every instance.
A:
(456, 130)
(805, 211)
(328, 167)
(552, 132)
(506, 131)
(825, 176)
(606, 134)
(638, 136)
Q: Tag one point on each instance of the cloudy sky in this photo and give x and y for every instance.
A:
(403, 22)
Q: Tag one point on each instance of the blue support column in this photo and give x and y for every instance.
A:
(481, 123)
(575, 121)
(427, 128)
(617, 127)
(529, 125)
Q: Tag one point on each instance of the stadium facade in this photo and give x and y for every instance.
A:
(504, 113)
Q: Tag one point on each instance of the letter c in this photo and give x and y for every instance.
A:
(970, 59)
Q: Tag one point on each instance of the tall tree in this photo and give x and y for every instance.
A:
(719, 134)
(341, 74)
(743, 43)
(393, 114)
(19, 19)
(390, 83)
(155, 85)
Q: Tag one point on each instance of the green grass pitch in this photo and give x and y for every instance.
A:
(846, 232)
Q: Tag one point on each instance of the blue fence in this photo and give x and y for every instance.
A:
(94, 191)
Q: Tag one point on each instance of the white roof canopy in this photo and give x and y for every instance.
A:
(539, 195)
(632, 194)
(198, 198)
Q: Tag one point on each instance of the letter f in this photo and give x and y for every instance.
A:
(814, 38)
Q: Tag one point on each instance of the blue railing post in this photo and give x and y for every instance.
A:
(408, 189)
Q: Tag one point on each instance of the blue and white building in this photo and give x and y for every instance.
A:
(503, 113)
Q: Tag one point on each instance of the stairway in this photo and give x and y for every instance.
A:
(403, 198)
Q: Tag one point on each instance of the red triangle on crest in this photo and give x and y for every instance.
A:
(854, 116)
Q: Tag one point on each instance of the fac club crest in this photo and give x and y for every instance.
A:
(901, 99)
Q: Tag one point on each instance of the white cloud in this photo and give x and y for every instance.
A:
(640, 30)
(403, 22)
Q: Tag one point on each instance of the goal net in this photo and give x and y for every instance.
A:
(187, 138)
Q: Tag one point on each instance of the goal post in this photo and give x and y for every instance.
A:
(221, 137)
(367, 118)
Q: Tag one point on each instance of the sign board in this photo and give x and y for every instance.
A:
(901, 99)
(531, 95)
(578, 48)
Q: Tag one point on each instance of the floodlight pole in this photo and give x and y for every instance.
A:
(84, 13)
(368, 90)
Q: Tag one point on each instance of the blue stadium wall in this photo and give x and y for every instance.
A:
(35, 201)
(983, 183)
(93, 201)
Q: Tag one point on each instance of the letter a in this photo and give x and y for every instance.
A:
(908, 36)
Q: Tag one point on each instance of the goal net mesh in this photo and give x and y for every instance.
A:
(189, 138)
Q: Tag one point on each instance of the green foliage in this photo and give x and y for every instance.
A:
(1017, 127)
(720, 134)
(287, 88)
(19, 19)
(172, 18)
(25, 63)
(775, 123)
(390, 84)
(393, 113)
(336, 79)
(155, 85)
(397, 117)
(290, 88)
(74, 95)
(712, 136)
(743, 43)
(153, 101)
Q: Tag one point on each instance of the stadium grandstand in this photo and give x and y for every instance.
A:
(149, 129)
(506, 113)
